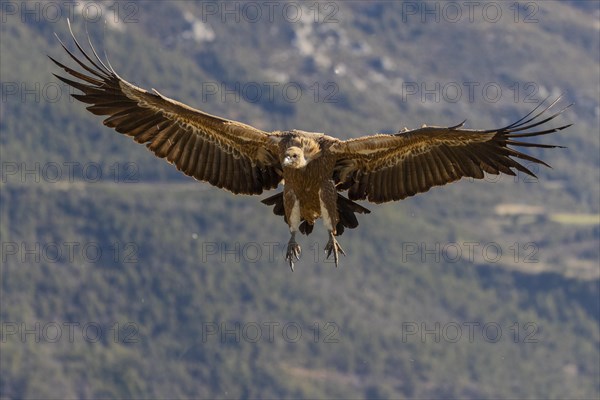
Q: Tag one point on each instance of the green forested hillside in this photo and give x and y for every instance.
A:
(122, 278)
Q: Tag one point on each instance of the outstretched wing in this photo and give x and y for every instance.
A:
(384, 168)
(228, 154)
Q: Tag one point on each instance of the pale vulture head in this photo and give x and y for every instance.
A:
(294, 158)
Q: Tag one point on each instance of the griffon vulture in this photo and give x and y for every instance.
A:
(313, 167)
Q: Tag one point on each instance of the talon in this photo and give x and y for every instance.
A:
(334, 247)
(293, 250)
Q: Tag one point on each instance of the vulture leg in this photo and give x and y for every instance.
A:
(293, 250)
(293, 218)
(334, 247)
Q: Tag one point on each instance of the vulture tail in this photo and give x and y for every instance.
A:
(346, 210)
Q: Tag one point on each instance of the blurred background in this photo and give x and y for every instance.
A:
(123, 278)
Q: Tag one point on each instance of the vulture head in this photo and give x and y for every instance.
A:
(294, 158)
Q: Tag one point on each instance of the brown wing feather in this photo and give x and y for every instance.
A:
(384, 168)
(228, 154)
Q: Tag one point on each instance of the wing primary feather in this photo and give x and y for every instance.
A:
(531, 134)
(99, 72)
(195, 158)
(551, 117)
(524, 169)
(235, 180)
(174, 154)
(106, 108)
(377, 186)
(125, 116)
(224, 169)
(441, 161)
(78, 75)
(395, 181)
(429, 169)
(108, 71)
(410, 180)
(527, 157)
(232, 177)
(468, 163)
(214, 166)
(87, 89)
(81, 64)
(204, 161)
(525, 144)
(521, 121)
(160, 138)
(143, 133)
(187, 146)
(454, 160)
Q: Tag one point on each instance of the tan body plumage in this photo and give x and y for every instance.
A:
(314, 168)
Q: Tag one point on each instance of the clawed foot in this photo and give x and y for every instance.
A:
(293, 250)
(334, 247)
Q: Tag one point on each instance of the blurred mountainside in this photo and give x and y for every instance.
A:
(177, 259)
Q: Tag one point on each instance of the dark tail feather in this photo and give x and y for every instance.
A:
(346, 209)
(277, 201)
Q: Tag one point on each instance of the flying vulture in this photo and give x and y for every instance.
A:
(313, 167)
